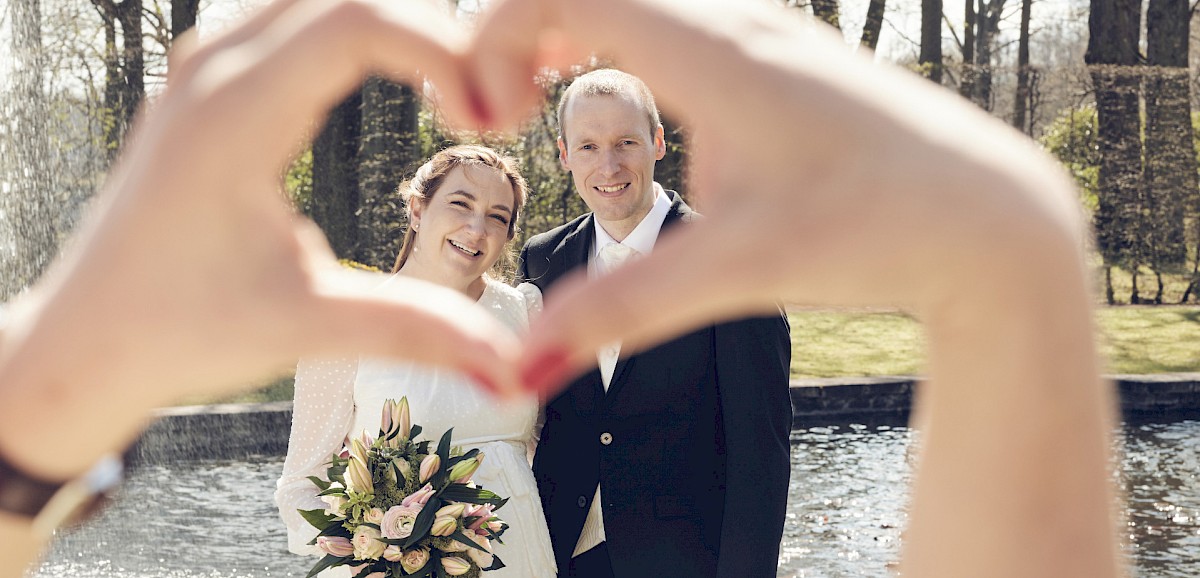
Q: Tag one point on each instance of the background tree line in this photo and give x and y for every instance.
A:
(1107, 91)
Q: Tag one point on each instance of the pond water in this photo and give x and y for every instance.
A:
(845, 513)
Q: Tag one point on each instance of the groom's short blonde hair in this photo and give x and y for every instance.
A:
(610, 82)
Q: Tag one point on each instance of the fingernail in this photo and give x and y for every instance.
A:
(546, 371)
(478, 108)
(485, 381)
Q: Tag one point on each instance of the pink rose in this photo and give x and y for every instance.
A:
(398, 521)
(414, 560)
(374, 516)
(366, 543)
(335, 545)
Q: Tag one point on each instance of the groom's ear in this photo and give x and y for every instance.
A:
(562, 154)
(660, 143)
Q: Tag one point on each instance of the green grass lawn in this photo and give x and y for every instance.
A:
(1134, 339)
(1139, 339)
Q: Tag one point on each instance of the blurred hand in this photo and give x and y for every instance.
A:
(829, 180)
(191, 274)
(825, 179)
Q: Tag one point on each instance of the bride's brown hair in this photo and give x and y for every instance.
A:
(421, 187)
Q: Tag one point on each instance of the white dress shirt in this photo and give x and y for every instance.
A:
(642, 240)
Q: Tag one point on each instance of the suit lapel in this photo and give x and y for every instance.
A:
(680, 212)
(574, 251)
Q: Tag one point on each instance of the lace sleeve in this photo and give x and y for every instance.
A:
(322, 413)
(533, 298)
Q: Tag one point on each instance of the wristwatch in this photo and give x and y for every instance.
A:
(54, 505)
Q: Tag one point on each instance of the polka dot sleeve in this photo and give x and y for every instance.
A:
(322, 413)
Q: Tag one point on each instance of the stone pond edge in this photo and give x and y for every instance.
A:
(230, 431)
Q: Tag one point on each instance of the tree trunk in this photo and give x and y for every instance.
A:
(1158, 296)
(931, 40)
(874, 23)
(183, 16)
(129, 14)
(1191, 286)
(1112, 55)
(827, 10)
(967, 86)
(1134, 297)
(1108, 288)
(1170, 167)
(389, 152)
(987, 27)
(1021, 102)
(335, 199)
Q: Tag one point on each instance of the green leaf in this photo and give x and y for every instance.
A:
(317, 518)
(367, 569)
(462, 538)
(444, 446)
(423, 522)
(329, 561)
(335, 530)
(413, 432)
(333, 492)
(496, 564)
(461, 493)
(318, 482)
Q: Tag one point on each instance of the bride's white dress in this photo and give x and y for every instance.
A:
(337, 398)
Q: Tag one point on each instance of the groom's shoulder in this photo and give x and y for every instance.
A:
(550, 240)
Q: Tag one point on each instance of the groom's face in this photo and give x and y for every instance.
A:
(610, 149)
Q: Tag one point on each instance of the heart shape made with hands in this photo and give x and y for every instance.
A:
(237, 105)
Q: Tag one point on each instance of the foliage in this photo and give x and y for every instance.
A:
(298, 181)
(1073, 139)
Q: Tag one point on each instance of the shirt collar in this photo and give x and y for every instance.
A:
(643, 237)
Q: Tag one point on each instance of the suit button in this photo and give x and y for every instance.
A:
(582, 501)
(606, 438)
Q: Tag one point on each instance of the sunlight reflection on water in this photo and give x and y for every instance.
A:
(846, 509)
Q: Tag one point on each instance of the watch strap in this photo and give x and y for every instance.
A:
(21, 494)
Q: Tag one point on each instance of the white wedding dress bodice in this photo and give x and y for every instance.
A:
(336, 399)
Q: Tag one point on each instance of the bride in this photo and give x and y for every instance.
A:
(463, 205)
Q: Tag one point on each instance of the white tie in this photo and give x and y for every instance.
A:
(612, 256)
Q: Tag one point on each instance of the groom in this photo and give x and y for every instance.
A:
(673, 461)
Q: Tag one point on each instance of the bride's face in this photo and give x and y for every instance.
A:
(463, 227)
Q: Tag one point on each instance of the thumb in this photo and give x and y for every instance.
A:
(684, 284)
(411, 319)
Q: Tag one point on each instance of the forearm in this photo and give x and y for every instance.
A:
(63, 408)
(1013, 478)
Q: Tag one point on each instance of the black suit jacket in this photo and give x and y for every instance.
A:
(694, 476)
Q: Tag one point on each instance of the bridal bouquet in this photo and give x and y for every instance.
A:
(396, 508)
